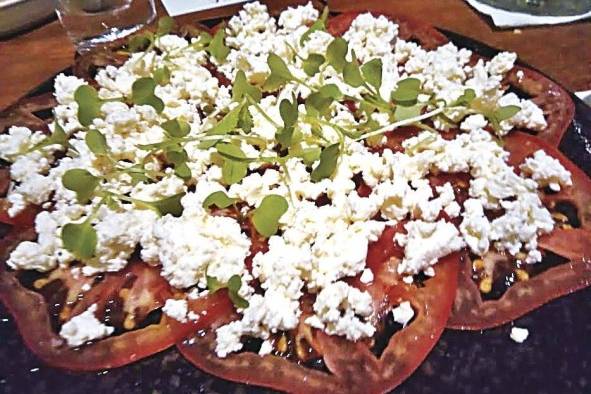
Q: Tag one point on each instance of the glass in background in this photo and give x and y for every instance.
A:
(92, 23)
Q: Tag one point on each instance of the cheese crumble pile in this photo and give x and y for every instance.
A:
(314, 246)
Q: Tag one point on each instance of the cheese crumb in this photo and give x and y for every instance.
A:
(403, 313)
(177, 309)
(84, 327)
(519, 334)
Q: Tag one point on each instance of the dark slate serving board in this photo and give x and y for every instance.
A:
(556, 358)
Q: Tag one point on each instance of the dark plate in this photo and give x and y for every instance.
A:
(556, 358)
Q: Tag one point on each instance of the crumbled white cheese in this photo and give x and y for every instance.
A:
(65, 86)
(366, 276)
(195, 245)
(343, 310)
(546, 171)
(177, 309)
(519, 334)
(403, 313)
(84, 327)
(475, 227)
(425, 243)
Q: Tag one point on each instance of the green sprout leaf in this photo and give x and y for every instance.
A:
(328, 163)
(81, 182)
(176, 128)
(407, 112)
(227, 124)
(289, 115)
(318, 103)
(58, 137)
(89, 104)
(213, 284)
(96, 142)
(336, 52)
(308, 155)
(280, 73)
(352, 73)
(233, 169)
(161, 75)
(242, 88)
(407, 90)
(312, 64)
(245, 121)
(217, 48)
(165, 25)
(80, 239)
(178, 158)
(372, 73)
(502, 113)
(466, 98)
(168, 205)
(319, 24)
(265, 218)
(506, 112)
(331, 90)
(218, 199)
(234, 284)
(140, 42)
(142, 93)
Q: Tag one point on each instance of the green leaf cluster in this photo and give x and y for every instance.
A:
(217, 47)
(234, 166)
(142, 93)
(81, 182)
(80, 239)
(328, 162)
(89, 104)
(266, 217)
(218, 199)
(233, 286)
(319, 24)
(280, 73)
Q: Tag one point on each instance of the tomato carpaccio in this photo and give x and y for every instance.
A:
(311, 361)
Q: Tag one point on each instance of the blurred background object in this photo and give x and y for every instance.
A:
(90, 23)
(513, 13)
(18, 15)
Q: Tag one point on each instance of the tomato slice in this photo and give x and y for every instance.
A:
(25, 219)
(351, 366)
(139, 288)
(558, 107)
(572, 245)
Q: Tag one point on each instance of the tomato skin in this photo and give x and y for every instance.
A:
(470, 312)
(26, 218)
(32, 318)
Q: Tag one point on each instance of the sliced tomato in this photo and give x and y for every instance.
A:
(558, 107)
(26, 218)
(408, 28)
(141, 289)
(352, 366)
(572, 245)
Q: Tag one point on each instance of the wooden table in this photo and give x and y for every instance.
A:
(563, 52)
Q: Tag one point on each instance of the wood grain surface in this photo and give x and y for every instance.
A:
(563, 52)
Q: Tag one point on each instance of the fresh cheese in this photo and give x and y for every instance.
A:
(343, 310)
(519, 334)
(84, 327)
(546, 171)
